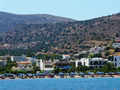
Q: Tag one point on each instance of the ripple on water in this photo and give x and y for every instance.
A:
(61, 84)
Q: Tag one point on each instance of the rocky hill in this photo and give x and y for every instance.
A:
(8, 21)
(67, 37)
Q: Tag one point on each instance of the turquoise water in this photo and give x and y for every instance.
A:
(62, 84)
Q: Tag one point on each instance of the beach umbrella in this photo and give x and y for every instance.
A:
(46, 72)
(67, 74)
(41, 74)
(90, 73)
(61, 73)
(100, 73)
(2, 75)
(81, 73)
(110, 73)
(117, 72)
(19, 75)
(37, 74)
(73, 73)
(52, 74)
(9, 75)
(29, 74)
(33, 74)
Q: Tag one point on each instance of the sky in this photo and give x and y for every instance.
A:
(75, 9)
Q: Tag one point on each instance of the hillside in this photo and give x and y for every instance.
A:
(8, 21)
(69, 37)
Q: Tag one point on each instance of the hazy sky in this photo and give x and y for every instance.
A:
(76, 9)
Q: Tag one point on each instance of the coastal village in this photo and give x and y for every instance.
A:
(99, 61)
(59, 45)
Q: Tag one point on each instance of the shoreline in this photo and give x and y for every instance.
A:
(62, 78)
(86, 77)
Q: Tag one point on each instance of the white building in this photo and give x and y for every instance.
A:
(45, 65)
(76, 63)
(66, 56)
(85, 61)
(96, 50)
(116, 45)
(93, 62)
(97, 62)
(116, 61)
(39, 63)
(22, 62)
(18, 58)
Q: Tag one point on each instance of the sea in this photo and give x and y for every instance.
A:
(61, 84)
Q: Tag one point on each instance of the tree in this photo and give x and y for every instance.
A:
(110, 58)
(108, 67)
(118, 69)
(107, 53)
(9, 65)
(91, 55)
(98, 55)
(35, 68)
(57, 70)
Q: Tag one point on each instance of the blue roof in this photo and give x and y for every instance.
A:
(64, 67)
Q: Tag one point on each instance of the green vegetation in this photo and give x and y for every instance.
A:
(68, 37)
(109, 67)
(8, 67)
(48, 57)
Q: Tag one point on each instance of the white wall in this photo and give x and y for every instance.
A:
(85, 61)
(116, 61)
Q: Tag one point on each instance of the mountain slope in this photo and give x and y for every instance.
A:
(69, 37)
(8, 21)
